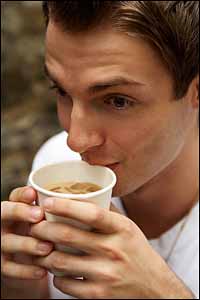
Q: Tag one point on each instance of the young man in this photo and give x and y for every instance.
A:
(126, 81)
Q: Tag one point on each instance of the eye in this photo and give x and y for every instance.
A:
(58, 90)
(119, 102)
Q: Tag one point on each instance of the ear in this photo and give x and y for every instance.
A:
(195, 94)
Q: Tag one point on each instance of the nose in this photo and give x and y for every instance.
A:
(84, 132)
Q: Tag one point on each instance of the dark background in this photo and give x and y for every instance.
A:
(28, 115)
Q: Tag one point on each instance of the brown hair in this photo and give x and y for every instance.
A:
(171, 26)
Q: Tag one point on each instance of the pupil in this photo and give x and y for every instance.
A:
(119, 102)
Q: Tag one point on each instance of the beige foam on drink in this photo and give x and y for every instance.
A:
(73, 187)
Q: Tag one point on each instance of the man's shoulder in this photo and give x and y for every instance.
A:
(55, 149)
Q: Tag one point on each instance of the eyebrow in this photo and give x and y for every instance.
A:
(100, 86)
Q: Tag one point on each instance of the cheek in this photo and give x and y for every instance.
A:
(148, 150)
(132, 138)
(139, 155)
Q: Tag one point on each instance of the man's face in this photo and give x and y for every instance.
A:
(115, 100)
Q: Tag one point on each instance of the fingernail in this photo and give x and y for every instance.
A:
(44, 247)
(28, 193)
(35, 212)
(47, 203)
(40, 273)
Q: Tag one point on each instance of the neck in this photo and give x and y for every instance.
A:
(167, 198)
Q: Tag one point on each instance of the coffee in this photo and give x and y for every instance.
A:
(73, 187)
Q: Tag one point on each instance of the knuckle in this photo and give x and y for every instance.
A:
(110, 250)
(65, 236)
(35, 229)
(109, 275)
(29, 245)
(127, 227)
(56, 261)
(98, 292)
(16, 210)
(24, 272)
(97, 214)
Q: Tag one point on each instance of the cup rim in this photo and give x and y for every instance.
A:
(67, 195)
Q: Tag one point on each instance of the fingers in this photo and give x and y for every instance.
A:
(12, 243)
(88, 213)
(81, 289)
(20, 212)
(89, 242)
(19, 209)
(15, 270)
(24, 194)
(65, 235)
(71, 265)
(91, 267)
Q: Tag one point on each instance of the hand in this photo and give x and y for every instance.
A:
(119, 262)
(17, 247)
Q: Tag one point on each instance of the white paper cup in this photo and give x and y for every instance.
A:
(78, 171)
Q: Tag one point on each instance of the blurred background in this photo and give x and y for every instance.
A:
(28, 109)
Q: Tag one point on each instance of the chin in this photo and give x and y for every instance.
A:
(124, 185)
(119, 191)
(122, 189)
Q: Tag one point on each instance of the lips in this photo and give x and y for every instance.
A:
(104, 164)
(112, 166)
(101, 163)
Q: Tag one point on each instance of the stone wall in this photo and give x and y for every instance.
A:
(28, 108)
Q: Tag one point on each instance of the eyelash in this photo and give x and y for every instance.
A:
(130, 103)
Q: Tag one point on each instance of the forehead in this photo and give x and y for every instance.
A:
(99, 51)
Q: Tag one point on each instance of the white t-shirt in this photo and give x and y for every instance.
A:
(184, 260)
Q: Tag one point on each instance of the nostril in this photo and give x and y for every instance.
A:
(77, 143)
(83, 142)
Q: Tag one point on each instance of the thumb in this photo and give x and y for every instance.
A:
(24, 194)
